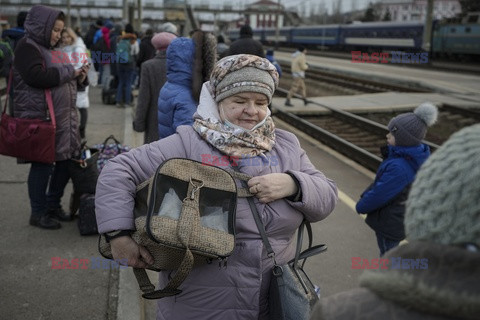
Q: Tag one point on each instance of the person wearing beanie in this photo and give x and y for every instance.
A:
(154, 76)
(298, 66)
(169, 27)
(232, 122)
(189, 64)
(436, 275)
(383, 201)
(246, 44)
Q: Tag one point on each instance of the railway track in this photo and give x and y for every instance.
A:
(360, 138)
(358, 85)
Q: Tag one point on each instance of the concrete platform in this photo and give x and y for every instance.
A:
(437, 81)
(385, 101)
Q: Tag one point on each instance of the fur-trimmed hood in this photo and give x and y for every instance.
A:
(204, 60)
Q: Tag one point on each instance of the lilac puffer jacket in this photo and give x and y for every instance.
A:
(238, 291)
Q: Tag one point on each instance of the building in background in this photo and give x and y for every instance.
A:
(415, 10)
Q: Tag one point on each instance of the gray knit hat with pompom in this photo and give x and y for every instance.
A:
(444, 202)
(409, 129)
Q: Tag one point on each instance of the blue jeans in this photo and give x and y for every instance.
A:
(385, 244)
(125, 78)
(42, 176)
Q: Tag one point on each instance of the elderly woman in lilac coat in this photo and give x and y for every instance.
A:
(232, 120)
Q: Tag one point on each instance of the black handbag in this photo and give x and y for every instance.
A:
(84, 174)
(292, 295)
(84, 171)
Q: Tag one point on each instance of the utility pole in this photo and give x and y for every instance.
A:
(69, 16)
(125, 10)
(427, 28)
(139, 17)
(277, 25)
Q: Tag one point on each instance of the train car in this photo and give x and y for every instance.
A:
(234, 34)
(313, 36)
(382, 35)
(270, 36)
(460, 40)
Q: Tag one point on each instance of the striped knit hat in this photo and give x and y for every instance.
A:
(443, 205)
(243, 73)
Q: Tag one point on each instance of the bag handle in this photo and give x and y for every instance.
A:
(48, 97)
(9, 85)
(184, 230)
(112, 137)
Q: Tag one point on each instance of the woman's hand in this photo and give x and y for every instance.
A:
(126, 249)
(272, 186)
(81, 73)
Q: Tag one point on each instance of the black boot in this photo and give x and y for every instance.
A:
(44, 222)
(305, 101)
(59, 214)
(288, 104)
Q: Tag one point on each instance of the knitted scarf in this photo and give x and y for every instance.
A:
(236, 142)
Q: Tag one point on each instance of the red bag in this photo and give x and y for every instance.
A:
(28, 139)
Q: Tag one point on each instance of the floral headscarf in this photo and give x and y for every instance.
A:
(230, 141)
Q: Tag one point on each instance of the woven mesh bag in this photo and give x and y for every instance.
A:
(185, 217)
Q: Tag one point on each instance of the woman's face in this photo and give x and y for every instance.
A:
(66, 38)
(244, 109)
(56, 32)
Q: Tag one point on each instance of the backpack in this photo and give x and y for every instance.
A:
(6, 58)
(185, 217)
(123, 52)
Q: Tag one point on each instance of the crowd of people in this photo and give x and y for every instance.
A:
(198, 95)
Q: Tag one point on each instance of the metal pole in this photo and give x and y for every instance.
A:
(277, 25)
(125, 10)
(139, 17)
(427, 28)
(323, 27)
(69, 18)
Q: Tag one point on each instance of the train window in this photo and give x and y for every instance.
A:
(472, 19)
(453, 30)
(467, 30)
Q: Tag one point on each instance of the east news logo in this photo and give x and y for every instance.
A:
(391, 263)
(389, 57)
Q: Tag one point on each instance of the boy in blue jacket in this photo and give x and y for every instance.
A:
(384, 200)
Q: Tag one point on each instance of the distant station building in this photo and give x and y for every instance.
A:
(264, 14)
(415, 10)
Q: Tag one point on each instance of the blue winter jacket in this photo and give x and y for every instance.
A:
(176, 105)
(395, 173)
(384, 200)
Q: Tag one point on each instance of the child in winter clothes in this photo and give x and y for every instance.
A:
(384, 200)
(189, 64)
